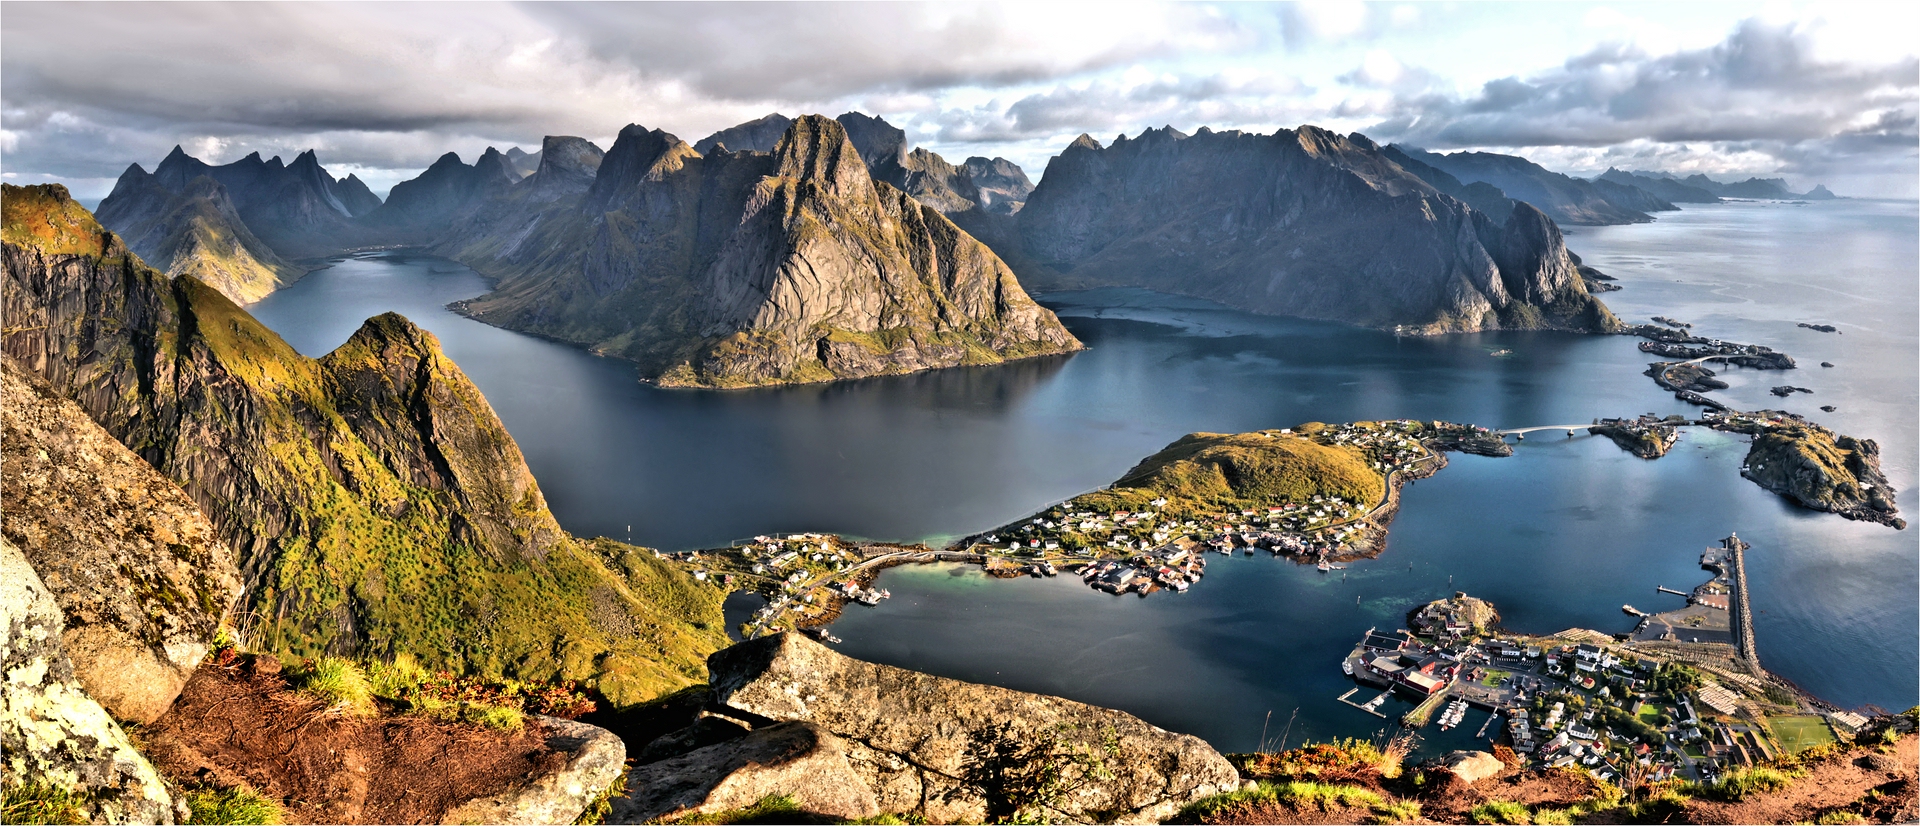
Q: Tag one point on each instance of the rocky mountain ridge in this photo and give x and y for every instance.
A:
(1302, 222)
(195, 231)
(1566, 199)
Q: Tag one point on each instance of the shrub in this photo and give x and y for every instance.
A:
(1499, 811)
(42, 803)
(495, 717)
(602, 803)
(1841, 816)
(340, 683)
(1399, 811)
(398, 679)
(1322, 796)
(1557, 817)
(233, 806)
(1736, 785)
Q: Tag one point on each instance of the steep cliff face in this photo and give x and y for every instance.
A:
(135, 567)
(745, 268)
(996, 186)
(196, 231)
(376, 503)
(1301, 222)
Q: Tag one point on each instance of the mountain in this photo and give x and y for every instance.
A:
(758, 135)
(1666, 188)
(1301, 222)
(746, 268)
(296, 208)
(374, 501)
(196, 231)
(420, 210)
(1760, 188)
(1565, 199)
(999, 182)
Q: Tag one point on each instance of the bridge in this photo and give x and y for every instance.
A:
(1515, 431)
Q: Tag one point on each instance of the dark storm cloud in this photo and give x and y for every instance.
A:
(1761, 84)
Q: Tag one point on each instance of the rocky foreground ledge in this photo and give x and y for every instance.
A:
(853, 739)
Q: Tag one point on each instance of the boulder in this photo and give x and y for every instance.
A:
(1473, 766)
(594, 760)
(929, 745)
(140, 575)
(797, 759)
(51, 732)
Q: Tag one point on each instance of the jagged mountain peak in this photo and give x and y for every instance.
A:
(638, 155)
(1086, 141)
(816, 148)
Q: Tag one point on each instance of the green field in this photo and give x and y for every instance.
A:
(1799, 733)
(1494, 676)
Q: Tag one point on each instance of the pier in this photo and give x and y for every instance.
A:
(1740, 609)
(1369, 705)
(1486, 725)
(1422, 713)
(1665, 590)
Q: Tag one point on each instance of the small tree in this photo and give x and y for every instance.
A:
(1021, 777)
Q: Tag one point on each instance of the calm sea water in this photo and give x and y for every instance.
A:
(1560, 535)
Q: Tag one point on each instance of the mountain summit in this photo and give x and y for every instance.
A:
(748, 268)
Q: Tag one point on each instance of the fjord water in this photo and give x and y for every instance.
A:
(1560, 535)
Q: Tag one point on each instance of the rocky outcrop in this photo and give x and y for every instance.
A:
(1815, 467)
(993, 186)
(931, 746)
(374, 500)
(590, 760)
(1568, 200)
(1472, 766)
(747, 269)
(196, 231)
(51, 732)
(797, 759)
(136, 569)
(1301, 222)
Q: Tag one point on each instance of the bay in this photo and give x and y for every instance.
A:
(1559, 535)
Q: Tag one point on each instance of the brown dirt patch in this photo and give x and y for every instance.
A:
(1293, 814)
(234, 725)
(1841, 782)
(1450, 800)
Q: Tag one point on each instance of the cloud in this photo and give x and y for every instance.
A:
(807, 51)
(1222, 98)
(1762, 87)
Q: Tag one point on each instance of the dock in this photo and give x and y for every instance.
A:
(1665, 590)
(1486, 725)
(1363, 707)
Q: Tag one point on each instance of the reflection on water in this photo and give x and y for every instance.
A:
(1560, 535)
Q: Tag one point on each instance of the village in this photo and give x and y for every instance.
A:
(1162, 545)
(1680, 697)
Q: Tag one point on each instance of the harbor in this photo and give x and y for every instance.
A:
(1682, 695)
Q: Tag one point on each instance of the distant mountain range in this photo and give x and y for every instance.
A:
(764, 253)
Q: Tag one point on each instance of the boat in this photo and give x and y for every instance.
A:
(1323, 566)
(1346, 667)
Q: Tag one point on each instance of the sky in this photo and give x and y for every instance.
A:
(1812, 92)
